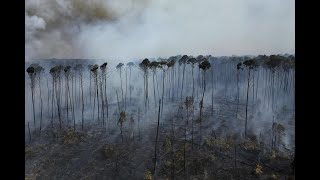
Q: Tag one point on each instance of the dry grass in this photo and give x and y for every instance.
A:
(250, 145)
(71, 137)
(34, 150)
(147, 175)
(258, 170)
(225, 143)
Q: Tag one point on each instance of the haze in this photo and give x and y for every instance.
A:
(127, 29)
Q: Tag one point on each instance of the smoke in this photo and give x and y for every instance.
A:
(126, 29)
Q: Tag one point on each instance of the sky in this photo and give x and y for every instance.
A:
(136, 29)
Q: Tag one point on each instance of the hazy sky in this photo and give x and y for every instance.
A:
(125, 29)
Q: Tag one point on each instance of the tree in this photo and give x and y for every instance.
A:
(278, 132)
(192, 61)
(94, 72)
(188, 103)
(130, 65)
(79, 69)
(239, 67)
(39, 70)
(103, 68)
(101, 83)
(164, 67)
(31, 73)
(155, 146)
(250, 64)
(67, 91)
(121, 120)
(171, 63)
(89, 68)
(205, 65)
(183, 61)
(56, 84)
(273, 64)
(199, 59)
(119, 67)
(144, 65)
(154, 65)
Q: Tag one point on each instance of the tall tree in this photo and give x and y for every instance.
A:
(154, 65)
(31, 73)
(205, 65)
(130, 65)
(239, 67)
(250, 64)
(122, 119)
(103, 68)
(94, 72)
(144, 65)
(183, 61)
(119, 67)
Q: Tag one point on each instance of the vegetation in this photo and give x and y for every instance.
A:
(245, 130)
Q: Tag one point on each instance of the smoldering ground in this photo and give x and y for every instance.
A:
(220, 115)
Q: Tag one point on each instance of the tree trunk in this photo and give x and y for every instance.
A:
(82, 102)
(29, 132)
(184, 67)
(162, 92)
(40, 104)
(32, 96)
(155, 147)
(246, 122)
(125, 97)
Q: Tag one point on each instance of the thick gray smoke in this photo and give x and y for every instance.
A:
(145, 28)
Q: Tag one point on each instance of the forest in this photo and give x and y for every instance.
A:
(181, 117)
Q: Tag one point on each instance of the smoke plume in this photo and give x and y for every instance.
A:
(130, 29)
